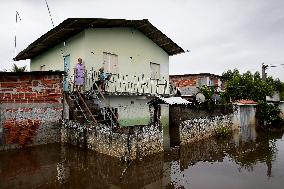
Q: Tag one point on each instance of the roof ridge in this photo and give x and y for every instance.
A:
(67, 29)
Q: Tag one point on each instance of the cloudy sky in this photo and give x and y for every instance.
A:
(220, 34)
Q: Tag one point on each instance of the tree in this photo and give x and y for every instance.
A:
(251, 86)
(15, 68)
(268, 114)
(247, 86)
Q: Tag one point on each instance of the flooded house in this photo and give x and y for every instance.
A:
(134, 52)
(189, 84)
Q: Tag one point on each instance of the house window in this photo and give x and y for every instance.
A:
(155, 70)
(201, 82)
(110, 63)
(210, 82)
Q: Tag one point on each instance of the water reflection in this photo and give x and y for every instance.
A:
(257, 162)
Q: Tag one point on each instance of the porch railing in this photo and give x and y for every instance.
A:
(126, 84)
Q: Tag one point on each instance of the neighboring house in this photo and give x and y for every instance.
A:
(189, 84)
(135, 52)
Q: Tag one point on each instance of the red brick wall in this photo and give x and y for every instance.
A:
(31, 89)
(31, 108)
(191, 80)
(184, 81)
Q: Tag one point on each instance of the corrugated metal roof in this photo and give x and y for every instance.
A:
(72, 26)
(169, 100)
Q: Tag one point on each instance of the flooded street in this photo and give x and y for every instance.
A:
(252, 161)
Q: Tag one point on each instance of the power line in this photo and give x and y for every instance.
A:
(50, 16)
(276, 65)
(49, 13)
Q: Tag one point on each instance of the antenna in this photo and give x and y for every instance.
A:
(15, 38)
(263, 68)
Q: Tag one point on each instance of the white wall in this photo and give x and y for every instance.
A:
(132, 110)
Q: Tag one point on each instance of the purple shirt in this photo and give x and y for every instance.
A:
(79, 74)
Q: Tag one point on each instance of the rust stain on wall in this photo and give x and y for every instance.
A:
(20, 132)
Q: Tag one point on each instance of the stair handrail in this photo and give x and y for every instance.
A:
(78, 104)
(87, 107)
(108, 105)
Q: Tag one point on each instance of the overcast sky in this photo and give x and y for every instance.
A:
(220, 34)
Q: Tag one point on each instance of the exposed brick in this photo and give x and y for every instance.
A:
(2, 90)
(12, 78)
(5, 95)
(10, 84)
(25, 78)
(20, 132)
(48, 82)
(24, 89)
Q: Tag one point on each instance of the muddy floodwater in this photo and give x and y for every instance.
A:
(251, 160)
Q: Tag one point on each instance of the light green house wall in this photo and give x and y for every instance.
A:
(90, 45)
(53, 58)
(126, 43)
(132, 110)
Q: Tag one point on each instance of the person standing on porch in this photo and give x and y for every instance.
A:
(79, 75)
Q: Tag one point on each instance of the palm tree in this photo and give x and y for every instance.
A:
(15, 68)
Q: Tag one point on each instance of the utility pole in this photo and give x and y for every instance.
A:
(263, 68)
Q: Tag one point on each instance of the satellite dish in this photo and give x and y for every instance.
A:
(200, 97)
(216, 98)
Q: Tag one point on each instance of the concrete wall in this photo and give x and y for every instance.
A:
(188, 123)
(199, 128)
(244, 119)
(31, 109)
(124, 143)
(191, 124)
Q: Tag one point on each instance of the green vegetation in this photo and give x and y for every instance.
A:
(268, 114)
(16, 68)
(248, 86)
(208, 92)
(253, 87)
(281, 90)
(222, 132)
